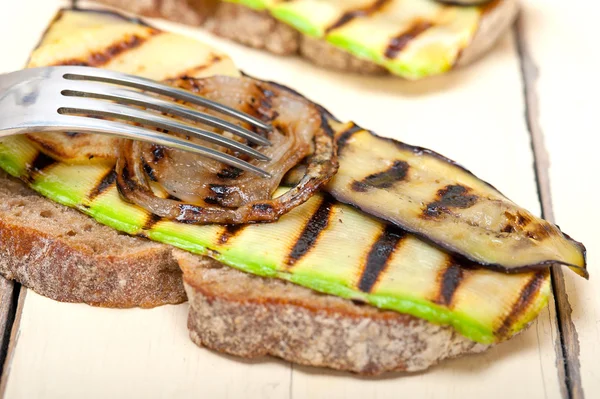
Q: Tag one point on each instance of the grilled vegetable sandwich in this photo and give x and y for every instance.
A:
(359, 253)
(408, 38)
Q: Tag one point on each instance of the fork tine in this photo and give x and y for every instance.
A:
(120, 129)
(118, 111)
(108, 92)
(101, 75)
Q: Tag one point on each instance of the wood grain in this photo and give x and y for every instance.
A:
(559, 41)
(474, 115)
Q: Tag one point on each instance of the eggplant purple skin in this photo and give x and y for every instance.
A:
(417, 149)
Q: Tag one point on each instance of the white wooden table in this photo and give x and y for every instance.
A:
(525, 118)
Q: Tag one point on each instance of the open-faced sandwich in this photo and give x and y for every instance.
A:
(408, 38)
(359, 253)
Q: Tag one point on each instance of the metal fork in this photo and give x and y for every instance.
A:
(67, 98)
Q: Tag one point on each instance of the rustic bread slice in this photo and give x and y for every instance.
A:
(62, 254)
(258, 29)
(250, 316)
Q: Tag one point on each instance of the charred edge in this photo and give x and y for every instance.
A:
(344, 136)
(452, 196)
(450, 280)
(379, 256)
(229, 232)
(324, 111)
(261, 106)
(326, 127)
(525, 299)
(130, 185)
(311, 232)
(41, 162)
(100, 58)
(386, 179)
(230, 172)
(398, 43)
(358, 13)
(151, 222)
(149, 170)
(104, 184)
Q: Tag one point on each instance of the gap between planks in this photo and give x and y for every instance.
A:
(567, 348)
(9, 296)
(11, 332)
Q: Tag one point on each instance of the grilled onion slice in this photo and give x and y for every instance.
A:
(189, 188)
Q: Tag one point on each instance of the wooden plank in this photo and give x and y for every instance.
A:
(9, 293)
(474, 115)
(76, 351)
(567, 85)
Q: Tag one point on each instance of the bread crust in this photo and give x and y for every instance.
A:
(499, 15)
(251, 316)
(259, 30)
(65, 255)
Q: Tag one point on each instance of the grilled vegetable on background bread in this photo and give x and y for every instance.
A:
(409, 38)
(384, 266)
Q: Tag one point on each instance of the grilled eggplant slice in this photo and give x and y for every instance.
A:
(410, 38)
(204, 191)
(322, 244)
(432, 196)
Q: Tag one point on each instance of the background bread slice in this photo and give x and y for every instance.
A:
(67, 256)
(250, 316)
(258, 29)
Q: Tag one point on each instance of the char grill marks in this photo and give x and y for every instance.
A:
(104, 56)
(449, 280)
(107, 181)
(399, 43)
(379, 256)
(229, 232)
(195, 71)
(318, 223)
(345, 136)
(349, 15)
(384, 179)
(452, 196)
(40, 163)
(525, 299)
